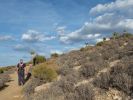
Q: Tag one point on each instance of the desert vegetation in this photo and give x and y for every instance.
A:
(4, 75)
(44, 73)
(54, 55)
(40, 59)
(91, 73)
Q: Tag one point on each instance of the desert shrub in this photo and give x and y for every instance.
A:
(4, 69)
(82, 49)
(53, 93)
(88, 69)
(65, 71)
(123, 82)
(100, 43)
(1, 70)
(119, 68)
(127, 35)
(54, 55)
(40, 59)
(91, 68)
(107, 54)
(102, 81)
(5, 77)
(121, 75)
(95, 56)
(44, 73)
(66, 86)
(84, 92)
(29, 87)
(130, 69)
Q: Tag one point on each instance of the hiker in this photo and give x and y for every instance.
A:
(21, 72)
(34, 59)
(28, 72)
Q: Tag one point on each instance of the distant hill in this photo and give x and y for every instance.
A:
(100, 72)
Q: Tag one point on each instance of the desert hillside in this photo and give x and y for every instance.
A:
(100, 72)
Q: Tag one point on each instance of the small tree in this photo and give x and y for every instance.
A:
(104, 39)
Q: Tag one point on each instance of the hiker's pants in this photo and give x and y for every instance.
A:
(21, 77)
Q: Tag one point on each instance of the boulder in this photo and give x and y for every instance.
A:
(1, 83)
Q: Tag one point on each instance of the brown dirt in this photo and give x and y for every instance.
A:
(12, 91)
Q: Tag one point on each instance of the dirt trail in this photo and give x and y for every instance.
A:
(12, 91)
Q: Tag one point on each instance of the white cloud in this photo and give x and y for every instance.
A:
(35, 36)
(61, 30)
(107, 18)
(6, 38)
(118, 5)
(78, 35)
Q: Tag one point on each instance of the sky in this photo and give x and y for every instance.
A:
(58, 26)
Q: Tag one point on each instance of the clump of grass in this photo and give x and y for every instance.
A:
(44, 73)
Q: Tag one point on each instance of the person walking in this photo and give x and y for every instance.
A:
(21, 72)
(34, 58)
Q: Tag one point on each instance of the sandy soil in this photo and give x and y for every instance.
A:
(12, 91)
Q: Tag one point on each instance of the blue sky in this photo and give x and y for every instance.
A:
(48, 26)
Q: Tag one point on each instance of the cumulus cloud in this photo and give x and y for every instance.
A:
(106, 18)
(35, 36)
(120, 6)
(6, 38)
(77, 36)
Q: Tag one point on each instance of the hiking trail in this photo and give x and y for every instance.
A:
(12, 91)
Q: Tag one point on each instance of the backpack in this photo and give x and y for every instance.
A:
(21, 66)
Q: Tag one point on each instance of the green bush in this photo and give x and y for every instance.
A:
(44, 73)
(1, 71)
(40, 59)
(54, 55)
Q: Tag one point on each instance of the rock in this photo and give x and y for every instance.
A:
(43, 87)
(1, 83)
